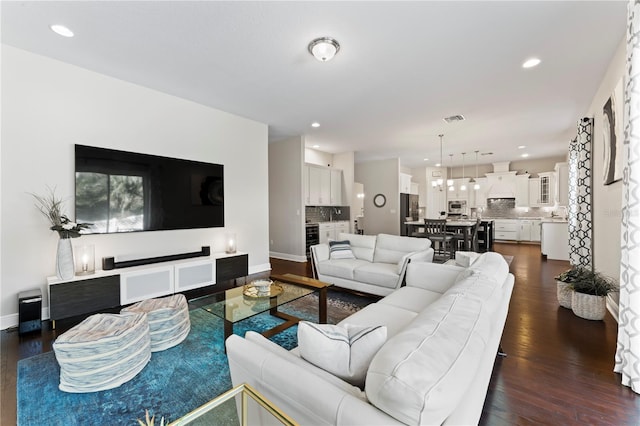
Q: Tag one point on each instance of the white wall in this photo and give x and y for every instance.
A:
(607, 200)
(48, 106)
(380, 177)
(286, 200)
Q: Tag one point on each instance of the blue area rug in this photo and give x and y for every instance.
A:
(175, 381)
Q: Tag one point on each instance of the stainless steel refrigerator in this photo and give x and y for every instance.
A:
(408, 208)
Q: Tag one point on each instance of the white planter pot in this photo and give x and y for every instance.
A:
(588, 306)
(65, 266)
(564, 294)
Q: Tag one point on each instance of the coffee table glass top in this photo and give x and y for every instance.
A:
(233, 305)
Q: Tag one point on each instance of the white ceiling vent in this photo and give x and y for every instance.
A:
(453, 118)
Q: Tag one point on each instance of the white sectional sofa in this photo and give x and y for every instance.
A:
(443, 332)
(380, 262)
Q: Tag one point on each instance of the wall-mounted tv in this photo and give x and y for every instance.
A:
(119, 191)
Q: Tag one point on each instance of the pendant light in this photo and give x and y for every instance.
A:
(476, 185)
(450, 181)
(463, 186)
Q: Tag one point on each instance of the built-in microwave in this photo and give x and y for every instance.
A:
(456, 207)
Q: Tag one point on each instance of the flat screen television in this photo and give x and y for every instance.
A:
(119, 191)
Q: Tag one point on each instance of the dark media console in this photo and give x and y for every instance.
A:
(107, 290)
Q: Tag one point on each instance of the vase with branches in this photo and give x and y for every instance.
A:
(51, 207)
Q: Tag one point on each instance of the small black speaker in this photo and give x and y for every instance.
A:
(108, 263)
(206, 251)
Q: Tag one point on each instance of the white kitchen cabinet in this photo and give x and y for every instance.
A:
(405, 183)
(306, 184)
(506, 229)
(535, 230)
(415, 189)
(554, 240)
(547, 186)
(524, 230)
(323, 186)
(336, 187)
(331, 230)
(522, 190)
(561, 193)
(534, 192)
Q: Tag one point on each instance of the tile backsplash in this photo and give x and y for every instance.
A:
(315, 214)
(506, 208)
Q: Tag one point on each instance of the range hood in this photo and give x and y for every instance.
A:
(502, 182)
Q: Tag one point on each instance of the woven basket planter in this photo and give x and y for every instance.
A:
(588, 306)
(564, 294)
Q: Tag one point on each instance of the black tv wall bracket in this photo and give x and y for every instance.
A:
(109, 263)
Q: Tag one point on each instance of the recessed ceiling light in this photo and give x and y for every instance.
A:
(522, 147)
(61, 30)
(426, 159)
(315, 124)
(438, 164)
(316, 146)
(525, 155)
(530, 63)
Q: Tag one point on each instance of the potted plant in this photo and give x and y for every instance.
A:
(564, 281)
(590, 291)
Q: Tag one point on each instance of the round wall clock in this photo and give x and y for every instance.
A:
(379, 200)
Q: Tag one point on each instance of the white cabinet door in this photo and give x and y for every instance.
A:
(145, 284)
(522, 190)
(547, 186)
(336, 187)
(415, 189)
(319, 186)
(196, 274)
(341, 227)
(534, 192)
(305, 185)
(535, 230)
(326, 230)
(405, 183)
(525, 230)
(506, 229)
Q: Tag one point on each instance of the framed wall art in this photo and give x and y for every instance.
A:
(613, 135)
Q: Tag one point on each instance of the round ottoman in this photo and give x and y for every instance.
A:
(102, 352)
(168, 318)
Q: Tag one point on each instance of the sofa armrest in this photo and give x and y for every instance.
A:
(416, 256)
(294, 387)
(432, 276)
(320, 252)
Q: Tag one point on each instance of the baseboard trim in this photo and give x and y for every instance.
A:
(255, 269)
(287, 256)
(613, 308)
(12, 320)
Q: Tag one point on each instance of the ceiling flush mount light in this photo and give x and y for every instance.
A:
(530, 63)
(315, 124)
(61, 30)
(324, 48)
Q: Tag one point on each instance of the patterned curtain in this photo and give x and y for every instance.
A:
(579, 214)
(628, 348)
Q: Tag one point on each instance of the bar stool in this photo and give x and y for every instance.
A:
(436, 231)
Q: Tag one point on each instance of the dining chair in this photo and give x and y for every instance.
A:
(436, 231)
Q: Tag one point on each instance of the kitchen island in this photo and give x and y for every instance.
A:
(554, 239)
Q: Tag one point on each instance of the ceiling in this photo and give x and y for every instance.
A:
(402, 67)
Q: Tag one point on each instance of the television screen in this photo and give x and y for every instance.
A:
(119, 191)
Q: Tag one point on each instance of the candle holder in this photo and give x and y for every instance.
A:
(85, 259)
(230, 243)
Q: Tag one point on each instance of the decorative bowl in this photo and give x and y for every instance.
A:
(262, 285)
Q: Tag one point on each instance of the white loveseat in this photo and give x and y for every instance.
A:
(443, 332)
(380, 262)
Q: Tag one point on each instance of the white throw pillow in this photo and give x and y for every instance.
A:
(340, 250)
(345, 351)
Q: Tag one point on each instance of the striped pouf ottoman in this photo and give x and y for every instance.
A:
(168, 318)
(102, 352)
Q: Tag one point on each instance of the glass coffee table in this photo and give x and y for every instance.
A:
(240, 303)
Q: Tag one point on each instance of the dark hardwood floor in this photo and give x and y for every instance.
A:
(558, 369)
